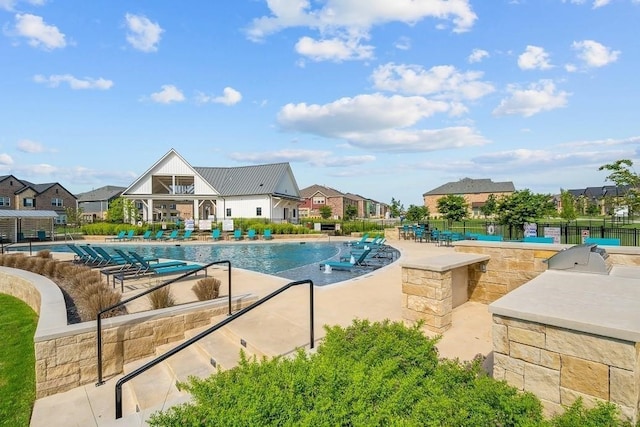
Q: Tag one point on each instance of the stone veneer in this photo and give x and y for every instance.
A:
(66, 355)
(559, 365)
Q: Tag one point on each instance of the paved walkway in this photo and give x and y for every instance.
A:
(375, 296)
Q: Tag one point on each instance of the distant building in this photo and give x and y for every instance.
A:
(605, 200)
(475, 191)
(27, 208)
(95, 203)
(316, 196)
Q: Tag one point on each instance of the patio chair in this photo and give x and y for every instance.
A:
(362, 240)
(158, 235)
(173, 235)
(131, 234)
(79, 256)
(215, 234)
(349, 265)
(266, 234)
(251, 234)
(145, 236)
(237, 234)
(186, 235)
(119, 236)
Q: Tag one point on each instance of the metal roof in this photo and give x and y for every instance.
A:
(18, 213)
(472, 186)
(246, 180)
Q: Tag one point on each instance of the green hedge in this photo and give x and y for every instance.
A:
(368, 374)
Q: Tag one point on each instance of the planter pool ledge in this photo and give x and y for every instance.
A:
(66, 355)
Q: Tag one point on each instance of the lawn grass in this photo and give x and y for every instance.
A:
(17, 361)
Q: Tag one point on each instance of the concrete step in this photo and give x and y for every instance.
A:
(187, 362)
(153, 388)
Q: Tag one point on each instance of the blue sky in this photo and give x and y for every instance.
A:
(376, 97)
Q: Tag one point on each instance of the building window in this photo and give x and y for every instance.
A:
(294, 213)
(61, 219)
(228, 212)
(258, 211)
(5, 201)
(318, 200)
(56, 202)
(29, 203)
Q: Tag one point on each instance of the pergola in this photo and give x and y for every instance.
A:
(19, 225)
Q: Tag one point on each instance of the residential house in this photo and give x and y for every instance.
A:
(475, 191)
(95, 203)
(28, 209)
(172, 189)
(605, 200)
(316, 196)
(368, 208)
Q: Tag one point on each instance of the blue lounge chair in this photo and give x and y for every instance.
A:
(362, 240)
(215, 234)
(173, 235)
(185, 236)
(119, 236)
(266, 234)
(158, 269)
(79, 255)
(537, 239)
(158, 235)
(110, 259)
(237, 234)
(131, 234)
(251, 234)
(95, 258)
(145, 236)
(602, 241)
(144, 263)
(348, 265)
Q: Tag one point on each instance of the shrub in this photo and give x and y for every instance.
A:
(161, 298)
(207, 288)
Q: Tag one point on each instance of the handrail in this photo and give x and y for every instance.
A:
(148, 291)
(206, 332)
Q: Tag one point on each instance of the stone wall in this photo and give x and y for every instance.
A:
(559, 365)
(66, 355)
(510, 265)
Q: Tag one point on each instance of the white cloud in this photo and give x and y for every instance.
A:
(442, 82)
(334, 49)
(377, 122)
(167, 95)
(73, 82)
(230, 96)
(143, 34)
(534, 57)
(38, 32)
(10, 4)
(312, 157)
(5, 159)
(594, 54)
(28, 146)
(403, 43)
(339, 21)
(477, 55)
(538, 97)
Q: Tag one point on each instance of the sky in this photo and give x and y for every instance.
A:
(381, 98)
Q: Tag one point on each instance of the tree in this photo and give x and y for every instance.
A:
(490, 205)
(396, 208)
(453, 208)
(417, 213)
(350, 213)
(522, 207)
(74, 216)
(325, 211)
(624, 177)
(122, 210)
(568, 211)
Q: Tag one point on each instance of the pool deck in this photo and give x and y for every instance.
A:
(376, 296)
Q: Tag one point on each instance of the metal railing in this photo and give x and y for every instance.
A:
(208, 331)
(148, 291)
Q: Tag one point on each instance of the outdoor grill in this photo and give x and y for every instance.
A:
(587, 258)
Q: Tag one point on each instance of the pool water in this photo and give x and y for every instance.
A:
(294, 261)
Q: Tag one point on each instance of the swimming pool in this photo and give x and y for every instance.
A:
(290, 260)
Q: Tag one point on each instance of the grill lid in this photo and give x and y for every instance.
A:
(587, 258)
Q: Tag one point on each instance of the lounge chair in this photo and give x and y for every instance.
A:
(237, 234)
(251, 234)
(362, 240)
(173, 235)
(96, 259)
(348, 265)
(156, 269)
(80, 256)
(119, 236)
(131, 234)
(215, 234)
(158, 235)
(145, 236)
(186, 235)
(146, 263)
(266, 234)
